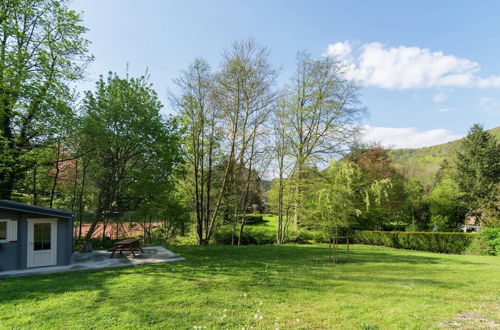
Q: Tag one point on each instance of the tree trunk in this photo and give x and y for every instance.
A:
(56, 176)
(35, 195)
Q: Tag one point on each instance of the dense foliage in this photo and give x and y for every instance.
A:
(42, 50)
(490, 238)
(434, 242)
(478, 167)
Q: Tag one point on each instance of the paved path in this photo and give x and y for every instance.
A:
(101, 259)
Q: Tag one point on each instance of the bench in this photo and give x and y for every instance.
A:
(128, 245)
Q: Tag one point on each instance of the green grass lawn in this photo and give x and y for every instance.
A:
(291, 286)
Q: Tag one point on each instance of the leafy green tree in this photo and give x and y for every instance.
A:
(334, 206)
(445, 209)
(415, 207)
(375, 166)
(478, 167)
(42, 49)
(135, 150)
(443, 205)
(490, 213)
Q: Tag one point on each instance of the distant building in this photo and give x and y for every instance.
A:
(472, 223)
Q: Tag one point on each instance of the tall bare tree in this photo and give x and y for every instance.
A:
(246, 94)
(200, 121)
(281, 154)
(223, 114)
(322, 115)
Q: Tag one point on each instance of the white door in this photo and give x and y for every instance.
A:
(42, 242)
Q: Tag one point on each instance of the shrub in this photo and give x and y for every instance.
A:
(422, 241)
(190, 239)
(304, 235)
(490, 238)
(254, 218)
(251, 235)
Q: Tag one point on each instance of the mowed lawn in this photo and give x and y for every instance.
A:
(291, 286)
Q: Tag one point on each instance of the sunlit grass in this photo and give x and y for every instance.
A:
(290, 286)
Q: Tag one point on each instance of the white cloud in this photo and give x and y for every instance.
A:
(493, 81)
(440, 97)
(446, 109)
(489, 105)
(408, 67)
(341, 50)
(407, 137)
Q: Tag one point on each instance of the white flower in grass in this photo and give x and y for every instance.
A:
(298, 320)
(261, 317)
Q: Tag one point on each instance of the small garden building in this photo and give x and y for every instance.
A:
(34, 236)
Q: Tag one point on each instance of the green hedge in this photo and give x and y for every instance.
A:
(251, 235)
(303, 235)
(423, 241)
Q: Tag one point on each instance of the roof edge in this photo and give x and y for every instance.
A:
(15, 206)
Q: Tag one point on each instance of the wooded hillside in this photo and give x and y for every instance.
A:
(423, 163)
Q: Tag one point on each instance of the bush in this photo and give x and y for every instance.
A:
(190, 239)
(253, 218)
(423, 241)
(251, 236)
(490, 238)
(304, 235)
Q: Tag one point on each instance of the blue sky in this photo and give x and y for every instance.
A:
(428, 69)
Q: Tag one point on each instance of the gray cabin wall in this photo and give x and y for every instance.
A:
(22, 238)
(64, 241)
(9, 252)
(14, 255)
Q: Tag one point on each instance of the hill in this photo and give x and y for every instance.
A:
(422, 163)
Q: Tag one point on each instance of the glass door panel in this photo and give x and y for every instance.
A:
(42, 236)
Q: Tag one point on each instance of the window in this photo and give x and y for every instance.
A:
(3, 230)
(42, 236)
(8, 230)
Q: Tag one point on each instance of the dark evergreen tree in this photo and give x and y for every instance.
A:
(478, 167)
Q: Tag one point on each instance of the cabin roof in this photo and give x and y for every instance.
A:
(20, 207)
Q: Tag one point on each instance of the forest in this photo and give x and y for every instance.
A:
(236, 144)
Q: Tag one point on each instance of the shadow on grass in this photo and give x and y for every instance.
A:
(268, 269)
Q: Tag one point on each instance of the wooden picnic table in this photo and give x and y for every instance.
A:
(131, 245)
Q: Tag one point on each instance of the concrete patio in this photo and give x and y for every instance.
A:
(100, 260)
